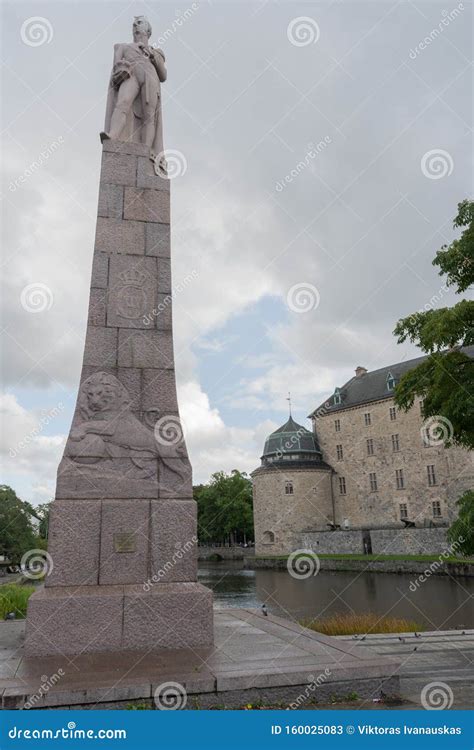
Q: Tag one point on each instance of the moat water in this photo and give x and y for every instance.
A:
(438, 603)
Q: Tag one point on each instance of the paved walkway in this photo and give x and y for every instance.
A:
(256, 658)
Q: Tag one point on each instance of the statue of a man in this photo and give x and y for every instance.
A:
(134, 101)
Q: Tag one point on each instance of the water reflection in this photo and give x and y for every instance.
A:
(439, 603)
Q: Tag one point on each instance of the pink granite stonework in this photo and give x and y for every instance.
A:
(123, 531)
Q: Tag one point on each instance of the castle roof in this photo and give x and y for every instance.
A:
(366, 387)
(291, 438)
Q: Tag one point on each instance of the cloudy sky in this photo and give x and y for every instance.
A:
(294, 260)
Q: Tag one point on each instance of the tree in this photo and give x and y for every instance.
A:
(463, 527)
(225, 508)
(42, 512)
(445, 379)
(17, 534)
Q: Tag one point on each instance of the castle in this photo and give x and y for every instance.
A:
(368, 478)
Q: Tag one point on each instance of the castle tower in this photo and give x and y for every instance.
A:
(292, 490)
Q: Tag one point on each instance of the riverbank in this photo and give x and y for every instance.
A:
(420, 565)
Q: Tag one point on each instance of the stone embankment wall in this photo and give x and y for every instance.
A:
(437, 567)
(401, 541)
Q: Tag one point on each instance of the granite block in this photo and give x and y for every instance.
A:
(170, 615)
(132, 294)
(97, 306)
(110, 201)
(72, 620)
(73, 542)
(117, 236)
(175, 479)
(164, 276)
(160, 316)
(118, 169)
(173, 541)
(126, 147)
(147, 177)
(145, 349)
(100, 270)
(101, 346)
(115, 483)
(159, 392)
(141, 204)
(158, 239)
(124, 541)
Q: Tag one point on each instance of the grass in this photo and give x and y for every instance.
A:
(353, 624)
(381, 558)
(14, 598)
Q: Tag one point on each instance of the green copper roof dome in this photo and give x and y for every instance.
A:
(291, 441)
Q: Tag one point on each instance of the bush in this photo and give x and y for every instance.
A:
(14, 598)
(349, 624)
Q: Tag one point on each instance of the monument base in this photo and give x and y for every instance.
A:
(84, 619)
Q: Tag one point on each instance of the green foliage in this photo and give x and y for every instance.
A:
(17, 535)
(225, 508)
(463, 527)
(14, 598)
(445, 380)
(42, 512)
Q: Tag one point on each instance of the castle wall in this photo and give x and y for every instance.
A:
(279, 517)
(364, 506)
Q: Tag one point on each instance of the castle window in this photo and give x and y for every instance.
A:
(421, 406)
(390, 382)
(342, 485)
(403, 511)
(431, 475)
(339, 452)
(337, 397)
(426, 437)
(370, 447)
(373, 481)
(288, 488)
(268, 537)
(436, 508)
(393, 413)
(395, 443)
(337, 425)
(399, 479)
(367, 419)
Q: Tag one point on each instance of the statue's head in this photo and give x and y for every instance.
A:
(141, 27)
(102, 392)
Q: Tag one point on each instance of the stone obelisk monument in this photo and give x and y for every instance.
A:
(123, 536)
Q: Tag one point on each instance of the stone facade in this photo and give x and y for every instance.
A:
(373, 467)
(376, 501)
(279, 516)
